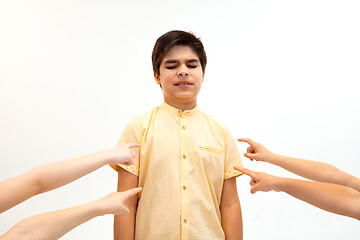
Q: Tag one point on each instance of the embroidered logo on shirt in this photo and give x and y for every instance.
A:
(210, 149)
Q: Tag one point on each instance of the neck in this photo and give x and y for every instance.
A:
(182, 106)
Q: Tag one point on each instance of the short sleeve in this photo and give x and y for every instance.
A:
(131, 134)
(232, 156)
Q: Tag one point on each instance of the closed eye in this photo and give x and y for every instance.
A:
(171, 67)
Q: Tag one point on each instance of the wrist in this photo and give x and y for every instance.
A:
(105, 157)
(278, 184)
(97, 208)
(272, 158)
(283, 184)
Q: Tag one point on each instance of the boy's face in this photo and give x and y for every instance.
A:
(181, 77)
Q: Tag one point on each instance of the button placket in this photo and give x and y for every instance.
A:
(184, 163)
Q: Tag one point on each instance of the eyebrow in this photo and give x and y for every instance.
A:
(193, 60)
(171, 61)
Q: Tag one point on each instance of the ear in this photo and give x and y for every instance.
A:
(202, 79)
(157, 78)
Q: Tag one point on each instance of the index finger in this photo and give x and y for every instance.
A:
(132, 192)
(248, 172)
(247, 140)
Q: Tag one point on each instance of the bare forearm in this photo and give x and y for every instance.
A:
(52, 176)
(124, 226)
(231, 218)
(16, 190)
(330, 197)
(53, 225)
(231, 221)
(316, 171)
(47, 177)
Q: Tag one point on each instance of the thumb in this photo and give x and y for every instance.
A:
(251, 156)
(125, 211)
(255, 188)
(132, 145)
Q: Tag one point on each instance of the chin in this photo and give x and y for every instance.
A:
(185, 96)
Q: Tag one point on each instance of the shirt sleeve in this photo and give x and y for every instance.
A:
(232, 156)
(131, 134)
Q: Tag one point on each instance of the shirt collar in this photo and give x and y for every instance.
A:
(178, 112)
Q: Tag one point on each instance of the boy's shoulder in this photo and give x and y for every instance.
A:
(144, 118)
(139, 123)
(216, 122)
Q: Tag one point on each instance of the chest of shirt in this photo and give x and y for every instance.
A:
(170, 141)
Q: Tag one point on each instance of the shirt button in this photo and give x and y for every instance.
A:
(184, 187)
(184, 156)
(185, 220)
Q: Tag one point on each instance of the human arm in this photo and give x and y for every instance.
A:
(230, 209)
(55, 224)
(313, 170)
(327, 196)
(124, 226)
(53, 175)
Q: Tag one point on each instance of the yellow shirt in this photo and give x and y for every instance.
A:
(183, 160)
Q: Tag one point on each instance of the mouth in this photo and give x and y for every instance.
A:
(183, 84)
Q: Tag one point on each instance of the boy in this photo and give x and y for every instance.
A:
(185, 160)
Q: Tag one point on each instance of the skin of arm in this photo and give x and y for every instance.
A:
(230, 209)
(313, 170)
(327, 196)
(124, 226)
(55, 224)
(51, 176)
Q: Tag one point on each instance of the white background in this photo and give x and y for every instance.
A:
(284, 73)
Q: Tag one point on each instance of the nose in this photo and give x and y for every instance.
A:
(183, 71)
